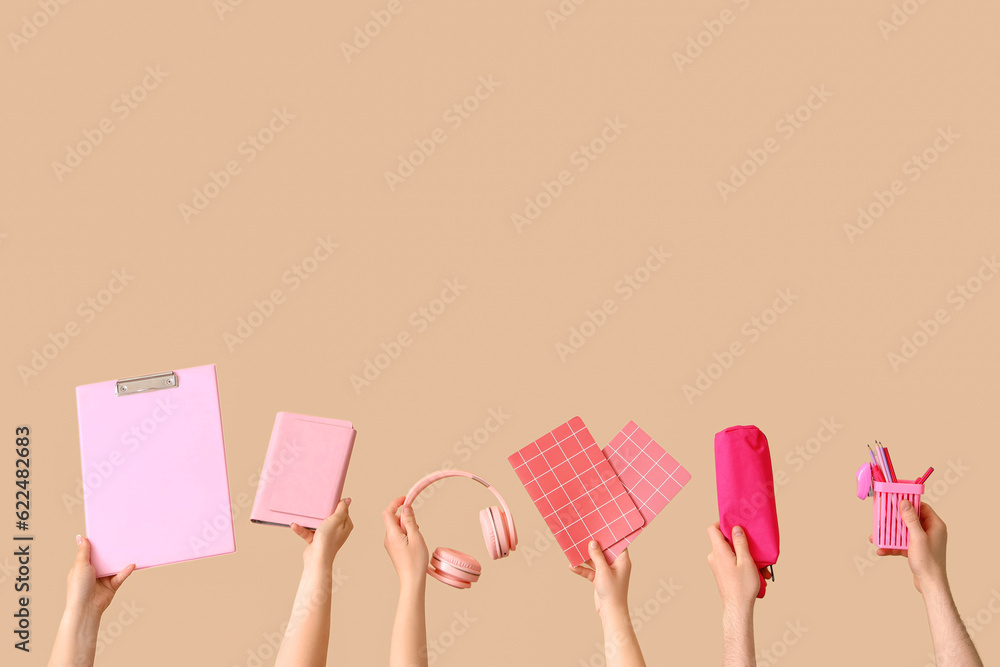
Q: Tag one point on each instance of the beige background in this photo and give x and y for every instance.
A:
(495, 346)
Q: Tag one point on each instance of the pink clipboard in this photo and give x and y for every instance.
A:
(304, 470)
(156, 490)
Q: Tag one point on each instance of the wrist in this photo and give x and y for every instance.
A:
(737, 611)
(322, 557)
(615, 612)
(935, 589)
(414, 584)
(82, 616)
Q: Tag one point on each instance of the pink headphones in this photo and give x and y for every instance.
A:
(454, 567)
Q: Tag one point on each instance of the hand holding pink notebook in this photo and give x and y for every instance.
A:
(304, 470)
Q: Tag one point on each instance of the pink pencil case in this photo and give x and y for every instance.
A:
(745, 487)
(889, 531)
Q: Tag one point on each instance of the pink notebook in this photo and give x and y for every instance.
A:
(304, 470)
(156, 489)
(576, 490)
(652, 477)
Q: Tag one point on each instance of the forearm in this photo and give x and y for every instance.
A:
(76, 639)
(307, 638)
(409, 632)
(952, 645)
(621, 647)
(737, 638)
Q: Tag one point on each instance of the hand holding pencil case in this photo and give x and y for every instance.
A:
(745, 488)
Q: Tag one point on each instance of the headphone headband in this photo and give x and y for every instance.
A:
(442, 474)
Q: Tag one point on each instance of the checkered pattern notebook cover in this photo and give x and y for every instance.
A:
(652, 477)
(575, 488)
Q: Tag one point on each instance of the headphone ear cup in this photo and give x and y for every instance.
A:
(503, 532)
(454, 568)
(486, 522)
(496, 532)
(508, 530)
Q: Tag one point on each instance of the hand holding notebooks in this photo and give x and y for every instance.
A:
(576, 490)
(304, 470)
(154, 470)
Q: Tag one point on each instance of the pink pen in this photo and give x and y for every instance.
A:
(880, 452)
(923, 478)
(888, 463)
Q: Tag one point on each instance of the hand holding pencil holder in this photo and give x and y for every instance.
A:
(889, 531)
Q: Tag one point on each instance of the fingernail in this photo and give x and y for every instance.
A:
(905, 505)
(593, 544)
(347, 501)
(79, 540)
(407, 509)
(737, 531)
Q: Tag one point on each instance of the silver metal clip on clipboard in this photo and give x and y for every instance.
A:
(143, 383)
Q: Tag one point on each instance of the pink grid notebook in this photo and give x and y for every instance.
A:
(576, 489)
(651, 476)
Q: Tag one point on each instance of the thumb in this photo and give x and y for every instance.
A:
(82, 550)
(597, 557)
(741, 546)
(910, 516)
(341, 509)
(408, 520)
(119, 579)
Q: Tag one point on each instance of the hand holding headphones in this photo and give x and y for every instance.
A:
(404, 543)
(451, 566)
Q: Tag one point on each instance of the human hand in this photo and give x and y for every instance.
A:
(324, 542)
(85, 593)
(735, 571)
(404, 543)
(610, 581)
(928, 540)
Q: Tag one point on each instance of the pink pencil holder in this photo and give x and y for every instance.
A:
(889, 531)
